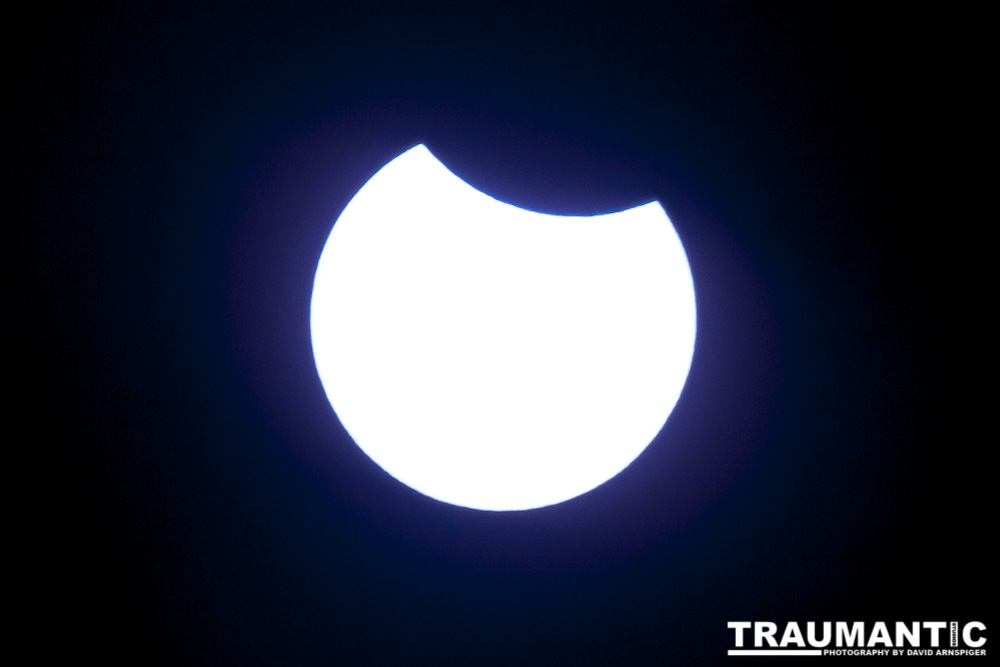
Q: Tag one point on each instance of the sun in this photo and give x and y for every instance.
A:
(493, 357)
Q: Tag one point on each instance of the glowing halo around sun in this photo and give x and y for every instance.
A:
(492, 357)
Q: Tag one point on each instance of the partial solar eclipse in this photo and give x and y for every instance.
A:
(492, 357)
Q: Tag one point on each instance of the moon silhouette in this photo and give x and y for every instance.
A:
(493, 357)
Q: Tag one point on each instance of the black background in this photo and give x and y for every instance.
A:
(175, 171)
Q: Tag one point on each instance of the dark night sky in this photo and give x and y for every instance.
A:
(177, 170)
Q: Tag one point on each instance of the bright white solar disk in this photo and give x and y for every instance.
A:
(493, 357)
